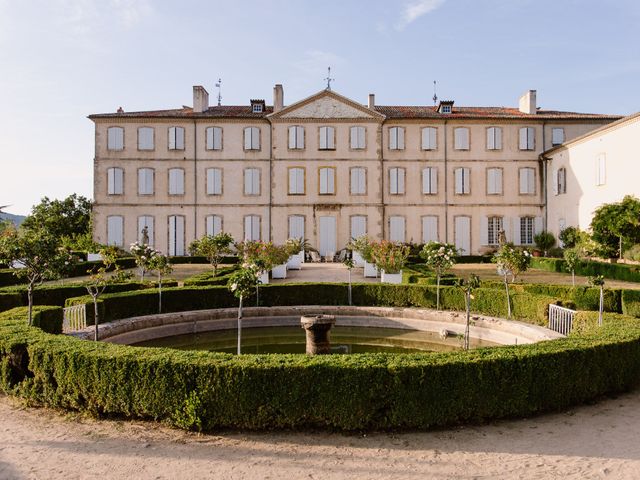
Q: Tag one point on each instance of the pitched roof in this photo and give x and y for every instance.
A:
(406, 112)
(224, 111)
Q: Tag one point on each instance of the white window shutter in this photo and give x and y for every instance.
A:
(490, 139)
(362, 184)
(331, 181)
(393, 138)
(498, 138)
(353, 137)
(214, 224)
(393, 181)
(523, 180)
(332, 138)
(256, 181)
(361, 137)
(300, 180)
(401, 180)
(247, 138)
(517, 222)
(115, 228)
(358, 226)
(292, 137)
(247, 228)
(180, 138)
(426, 180)
(429, 229)
(142, 183)
(396, 229)
(296, 226)
(466, 178)
(210, 139)
(323, 138)
(531, 138)
(507, 227)
(554, 185)
(523, 138)
(434, 180)
(400, 138)
(300, 137)
(255, 138)
(461, 136)
(248, 181)
(484, 230)
(537, 226)
(458, 180)
(531, 181)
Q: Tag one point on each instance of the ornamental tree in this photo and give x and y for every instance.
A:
(162, 266)
(572, 258)
(468, 287)
(241, 284)
(363, 246)
(99, 280)
(39, 255)
(616, 226)
(511, 262)
(68, 218)
(212, 247)
(348, 262)
(143, 254)
(598, 281)
(439, 257)
(389, 256)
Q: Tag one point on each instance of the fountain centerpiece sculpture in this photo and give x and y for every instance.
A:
(317, 329)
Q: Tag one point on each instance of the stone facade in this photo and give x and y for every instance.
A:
(267, 172)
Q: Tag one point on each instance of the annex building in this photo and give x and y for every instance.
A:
(328, 168)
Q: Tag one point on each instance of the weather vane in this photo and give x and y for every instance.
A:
(329, 79)
(219, 85)
(435, 96)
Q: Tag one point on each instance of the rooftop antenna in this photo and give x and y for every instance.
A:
(435, 95)
(219, 85)
(329, 79)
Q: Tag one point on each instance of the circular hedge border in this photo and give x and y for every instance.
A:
(208, 391)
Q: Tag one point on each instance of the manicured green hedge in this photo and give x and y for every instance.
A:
(209, 391)
(207, 278)
(116, 306)
(195, 259)
(8, 278)
(612, 271)
(48, 319)
(631, 302)
(57, 294)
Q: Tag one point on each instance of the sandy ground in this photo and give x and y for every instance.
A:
(597, 441)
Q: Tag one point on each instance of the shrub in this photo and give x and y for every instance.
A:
(612, 271)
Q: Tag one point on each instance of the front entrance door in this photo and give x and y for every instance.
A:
(327, 235)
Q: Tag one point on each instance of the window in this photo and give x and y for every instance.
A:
(145, 138)
(145, 221)
(358, 226)
(252, 181)
(527, 181)
(214, 138)
(176, 181)
(296, 226)
(494, 227)
(557, 136)
(145, 181)
(296, 137)
(252, 138)
(213, 224)
(115, 138)
(357, 138)
(115, 230)
(527, 138)
(526, 230)
(494, 138)
(256, 108)
(429, 138)
(327, 181)
(601, 169)
(327, 138)
(296, 181)
(430, 181)
(494, 181)
(176, 138)
(115, 181)
(396, 181)
(214, 181)
(562, 181)
(445, 109)
(396, 138)
(463, 181)
(358, 181)
(429, 228)
(252, 228)
(396, 229)
(461, 138)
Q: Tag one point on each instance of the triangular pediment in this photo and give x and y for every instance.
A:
(326, 105)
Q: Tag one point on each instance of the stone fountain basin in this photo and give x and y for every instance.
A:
(149, 327)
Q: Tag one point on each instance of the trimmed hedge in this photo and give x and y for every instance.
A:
(208, 391)
(8, 278)
(57, 294)
(207, 278)
(631, 302)
(612, 271)
(115, 306)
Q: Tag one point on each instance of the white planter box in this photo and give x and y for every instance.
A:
(295, 261)
(358, 261)
(279, 271)
(395, 278)
(264, 278)
(92, 257)
(370, 270)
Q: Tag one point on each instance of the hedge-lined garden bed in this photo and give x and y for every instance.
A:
(612, 271)
(208, 391)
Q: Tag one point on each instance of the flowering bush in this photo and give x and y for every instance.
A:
(264, 255)
(363, 246)
(389, 256)
(212, 247)
(143, 254)
(511, 261)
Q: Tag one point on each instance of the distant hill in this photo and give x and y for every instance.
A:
(16, 219)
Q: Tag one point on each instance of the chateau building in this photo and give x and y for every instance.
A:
(328, 169)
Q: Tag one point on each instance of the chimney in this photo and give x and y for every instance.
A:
(200, 99)
(372, 100)
(278, 98)
(528, 102)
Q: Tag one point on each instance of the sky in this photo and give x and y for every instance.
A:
(61, 60)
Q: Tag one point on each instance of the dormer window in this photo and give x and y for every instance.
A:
(445, 106)
(257, 106)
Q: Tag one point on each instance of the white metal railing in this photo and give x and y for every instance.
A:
(74, 318)
(560, 319)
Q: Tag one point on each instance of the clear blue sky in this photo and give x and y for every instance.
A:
(61, 60)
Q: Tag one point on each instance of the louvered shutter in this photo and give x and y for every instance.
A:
(292, 137)
(554, 182)
(491, 145)
(484, 230)
(537, 226)
(180, 138)
(507, 227)
(523, 139)
(429, 229)
(498, 138)
(214, 224)
(531, 181)
(358, 226)
(361, 137)
(296, 226)
(172, 138)
(393, 138)
(458, 180)
(255, 181)
(115, 227)
(396, 229)
(331, 185)
(393, 181)
(426, 180)
(401, 180)
(461, 136)
(517, 229)
(523, 181)
(331, 138)
(400, 138)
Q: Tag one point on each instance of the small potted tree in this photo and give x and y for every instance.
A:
(511, 261)
(213, 248)
(279, 257)
(143, 254)
(362, 249)
(162, 266)
(241, 283)
(390, 258)
(439, 257)
(544, 241)
(295, 249)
